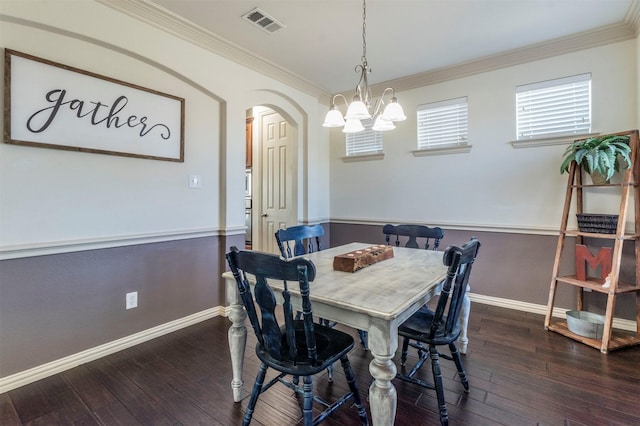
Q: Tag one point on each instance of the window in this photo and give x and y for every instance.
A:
(365, 142)
(442, 123)
(554, 107)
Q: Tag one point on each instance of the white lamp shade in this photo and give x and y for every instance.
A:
(382, 125)
(357, 110)
(333, 119)
(353, 125)
(393, 112)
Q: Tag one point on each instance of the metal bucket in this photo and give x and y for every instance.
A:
(585, 324)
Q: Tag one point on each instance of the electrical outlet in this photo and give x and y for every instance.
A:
(132, 300)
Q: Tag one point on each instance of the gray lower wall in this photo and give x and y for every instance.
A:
(58, 305)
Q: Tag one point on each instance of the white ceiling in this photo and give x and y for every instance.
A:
(322, 40)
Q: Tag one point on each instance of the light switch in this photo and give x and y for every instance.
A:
(195, 181)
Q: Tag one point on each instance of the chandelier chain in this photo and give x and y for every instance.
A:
(363, 106)
(364, 31)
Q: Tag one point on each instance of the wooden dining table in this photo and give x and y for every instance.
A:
(377, 299)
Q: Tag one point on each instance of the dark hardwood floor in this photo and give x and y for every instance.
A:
(519, 374)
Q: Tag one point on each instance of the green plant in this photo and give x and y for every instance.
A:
(599, 154)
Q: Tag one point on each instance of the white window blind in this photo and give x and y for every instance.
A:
(443, 123)
(554, 108)
(365, 142)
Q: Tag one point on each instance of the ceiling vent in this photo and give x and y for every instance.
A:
(260, 19)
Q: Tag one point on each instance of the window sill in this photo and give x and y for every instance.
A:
(364, 157)
(452, 149)
(557, 140)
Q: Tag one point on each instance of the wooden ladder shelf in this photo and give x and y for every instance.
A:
(627, 189)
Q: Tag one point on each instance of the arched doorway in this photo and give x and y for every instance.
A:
(273, 170)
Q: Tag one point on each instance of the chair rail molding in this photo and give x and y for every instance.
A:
(69, 246)
(508, 229)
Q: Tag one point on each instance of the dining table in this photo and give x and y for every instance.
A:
(377, 298)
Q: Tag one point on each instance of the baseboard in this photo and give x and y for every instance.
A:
(40, 372)
(619, 323)
(34, 374)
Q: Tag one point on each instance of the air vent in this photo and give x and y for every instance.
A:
(260, 19)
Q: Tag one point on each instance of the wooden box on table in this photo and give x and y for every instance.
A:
(358, 259)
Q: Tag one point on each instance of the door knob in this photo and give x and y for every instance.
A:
(263, 215)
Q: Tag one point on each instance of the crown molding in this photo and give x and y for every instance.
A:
(633, 16)
(157, 16)
(559, 46)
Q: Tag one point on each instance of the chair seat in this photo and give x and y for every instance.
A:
(418, 327)
(331, 345)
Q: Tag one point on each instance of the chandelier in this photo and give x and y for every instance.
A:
(361, 107)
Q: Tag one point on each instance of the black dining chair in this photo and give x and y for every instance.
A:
(298, 240)
(440, 327)
(299, 348)
(432, 237)
(412, 233)
(306, 239)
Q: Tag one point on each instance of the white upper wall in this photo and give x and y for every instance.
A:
(65, 200)
(54, 199)
(495, 186)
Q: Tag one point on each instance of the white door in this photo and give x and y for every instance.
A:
(277, 198)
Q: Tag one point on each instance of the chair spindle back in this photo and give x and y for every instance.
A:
(298, 235)
(460, 261)
(265, 266)
(413, 232)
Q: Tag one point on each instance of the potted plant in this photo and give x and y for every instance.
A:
(599, 156)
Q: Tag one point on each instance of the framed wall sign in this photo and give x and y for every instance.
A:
(51, 105)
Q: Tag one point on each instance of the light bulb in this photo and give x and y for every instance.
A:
(333, 118)
(382, 125)
(357, 110)
(353, 125)
(393, 112)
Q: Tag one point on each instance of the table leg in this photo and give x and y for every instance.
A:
(383, 399)
(463, 340)
(237, 339)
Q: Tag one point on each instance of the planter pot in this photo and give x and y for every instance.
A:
(598, 179)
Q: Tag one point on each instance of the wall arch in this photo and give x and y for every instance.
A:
(297, 117)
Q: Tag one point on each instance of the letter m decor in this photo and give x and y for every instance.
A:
(584, 256)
